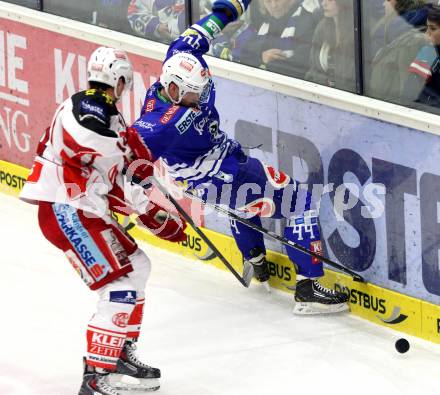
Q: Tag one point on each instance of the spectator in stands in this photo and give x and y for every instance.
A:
(283, 40)
(401, 33)
(372, 11)
(158, 20)
(163, 20)
(399, 17)
(332, 54)
(423, 85)
(236, 34)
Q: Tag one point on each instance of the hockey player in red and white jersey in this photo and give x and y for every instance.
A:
(76, 179)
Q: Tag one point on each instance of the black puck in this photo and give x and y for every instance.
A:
(402, 346)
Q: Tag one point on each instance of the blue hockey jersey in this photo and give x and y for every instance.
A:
(189, 140)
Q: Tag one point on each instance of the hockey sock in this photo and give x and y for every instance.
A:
(304, 230)
(247, 238)
(104, 347)
(135, 321)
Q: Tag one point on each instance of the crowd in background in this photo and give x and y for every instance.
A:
(308, 39)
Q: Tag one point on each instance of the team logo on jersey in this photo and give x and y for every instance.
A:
(263, 207)
(149, 105)
(187, 119)
(169, 114)
(121, 319)
(214, 130)
(201, 124)
(278, 179)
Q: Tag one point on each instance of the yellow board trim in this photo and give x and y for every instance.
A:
(12, 178)
(371, 302)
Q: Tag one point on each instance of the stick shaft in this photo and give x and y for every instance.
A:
(277, 237)
(202, 235)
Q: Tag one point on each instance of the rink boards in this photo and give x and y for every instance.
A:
(375, 152)
(373, 303)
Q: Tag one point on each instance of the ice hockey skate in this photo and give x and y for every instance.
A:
(132, 375)
(258, 264)
(95, 382)
(256, 267)
(313, 298)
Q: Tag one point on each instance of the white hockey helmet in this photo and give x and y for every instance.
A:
(107, 65)
(186, 71)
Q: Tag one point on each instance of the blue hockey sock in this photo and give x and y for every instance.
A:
(304, 230)
(247, 238)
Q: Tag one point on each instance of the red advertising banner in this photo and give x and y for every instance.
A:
(39, 69)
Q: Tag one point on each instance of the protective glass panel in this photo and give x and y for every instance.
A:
(401, 57)
(26, 3)
(307, 39)
(111, 14)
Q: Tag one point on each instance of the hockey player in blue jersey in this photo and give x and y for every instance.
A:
(180, 124)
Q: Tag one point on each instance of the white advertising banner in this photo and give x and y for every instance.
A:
(381, 214)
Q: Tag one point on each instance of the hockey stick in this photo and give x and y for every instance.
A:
(247, 271)
(281, 239)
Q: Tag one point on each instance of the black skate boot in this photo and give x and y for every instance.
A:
(143, 377)
(95, 383)
(313, 298)
(259, 264)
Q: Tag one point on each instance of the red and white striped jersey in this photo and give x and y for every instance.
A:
(81, 157)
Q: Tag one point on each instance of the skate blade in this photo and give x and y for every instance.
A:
(127, 385)
(310, 308)
(136, 391)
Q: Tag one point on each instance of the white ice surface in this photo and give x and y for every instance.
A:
(207, 334)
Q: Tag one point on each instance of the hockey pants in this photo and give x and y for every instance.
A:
(109, 261)
(262, 191)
